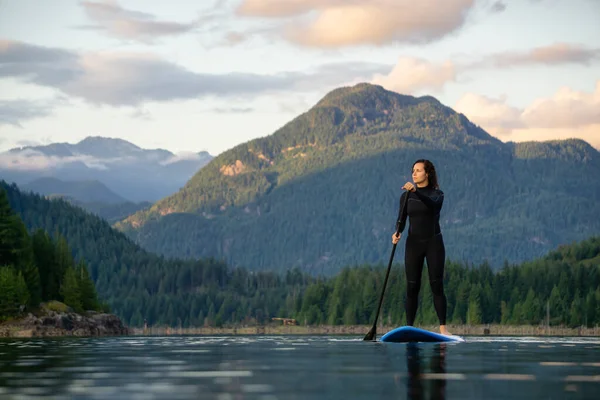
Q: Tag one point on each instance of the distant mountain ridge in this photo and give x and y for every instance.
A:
(131, 172)
(322, 191)
(93, 196)
(84, 191)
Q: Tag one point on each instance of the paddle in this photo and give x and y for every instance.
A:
(371, 334)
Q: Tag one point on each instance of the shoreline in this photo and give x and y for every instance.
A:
(57, 320)
(461, 330)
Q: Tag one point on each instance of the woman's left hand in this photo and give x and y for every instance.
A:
(409, 186)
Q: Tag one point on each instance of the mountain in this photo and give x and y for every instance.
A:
(322, 191)
(82, 191)
(131, 172)
(112, 213)
(92, 196)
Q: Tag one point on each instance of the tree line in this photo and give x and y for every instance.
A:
(138, 285)
(36, 268)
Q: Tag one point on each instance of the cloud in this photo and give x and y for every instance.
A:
(32, 160)
(568, 108)
(141, 114)
(492, 114)
(567, 114)
(554, 54)
(498, 7)
(411, 74)
(14, 112)
(414, 74)
(233, 110)
(337, 23)
(234, 38)
(131, 79)
(41, 65)
(28, 143)
(128, 24)
(182, 156)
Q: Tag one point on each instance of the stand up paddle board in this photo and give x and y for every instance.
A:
(405, 334)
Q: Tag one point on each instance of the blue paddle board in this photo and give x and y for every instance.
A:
(405, 334)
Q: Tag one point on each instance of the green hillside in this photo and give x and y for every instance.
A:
(322, 192)
(138, 285)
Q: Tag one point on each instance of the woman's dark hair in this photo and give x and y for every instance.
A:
(430, 171)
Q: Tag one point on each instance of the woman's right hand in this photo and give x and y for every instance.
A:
(396, 239)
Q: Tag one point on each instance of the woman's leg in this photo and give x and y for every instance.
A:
(413, 266)
(436, 258)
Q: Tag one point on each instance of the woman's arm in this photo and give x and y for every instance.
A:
(434, 200)
(401, 220)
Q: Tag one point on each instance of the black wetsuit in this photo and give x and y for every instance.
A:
(424, 241)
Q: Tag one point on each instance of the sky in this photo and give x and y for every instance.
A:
(207, 75)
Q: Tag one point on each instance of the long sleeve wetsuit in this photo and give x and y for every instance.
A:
(424, 241)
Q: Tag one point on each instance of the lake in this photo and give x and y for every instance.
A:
(298, 367)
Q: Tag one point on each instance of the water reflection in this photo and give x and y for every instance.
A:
(294, 367)
(426, 371)
(36, 367)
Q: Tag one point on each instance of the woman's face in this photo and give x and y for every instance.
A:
(418, 173)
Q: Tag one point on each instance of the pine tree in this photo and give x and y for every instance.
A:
(11, 238)
(350, 315)
(474, 310)
(70, 290)
(64, 262)
(15, 249)
(44, 256)
(590, 308)
(575, 311)
(504, 313)
(531, 308)
(13, 292)
(89, 297)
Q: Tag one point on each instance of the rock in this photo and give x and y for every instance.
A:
(65, 324)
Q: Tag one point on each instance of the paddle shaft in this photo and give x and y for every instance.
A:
(372, 332)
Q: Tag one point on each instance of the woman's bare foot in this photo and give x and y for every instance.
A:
(444, 331)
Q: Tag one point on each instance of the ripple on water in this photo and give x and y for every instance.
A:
(33, 391)
(257, 388)
(82, 368)
(28, 363)
(210, 374)
(192, 351)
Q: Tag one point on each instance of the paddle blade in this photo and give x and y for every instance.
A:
(371, 334)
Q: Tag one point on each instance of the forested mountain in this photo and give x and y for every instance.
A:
(138, 285)
(322, 192)
(131, 172)
(112, 212)
(81, 191)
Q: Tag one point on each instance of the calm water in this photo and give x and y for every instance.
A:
(298, 367)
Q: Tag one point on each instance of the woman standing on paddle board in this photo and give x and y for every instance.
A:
(422, 203)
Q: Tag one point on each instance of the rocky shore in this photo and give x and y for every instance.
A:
(52, 323)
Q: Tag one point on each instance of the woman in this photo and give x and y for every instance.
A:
(422, 203)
